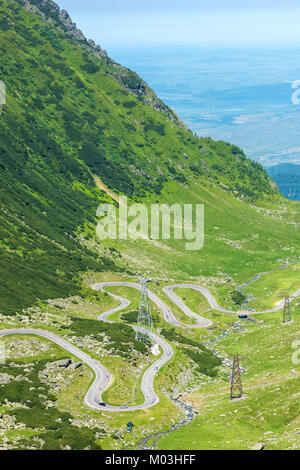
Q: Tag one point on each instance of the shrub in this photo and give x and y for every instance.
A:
(129, 104)
(237, 297)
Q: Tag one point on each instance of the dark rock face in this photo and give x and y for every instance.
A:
(50, 9)
(51, 6)
(65, 363)
(71, 27)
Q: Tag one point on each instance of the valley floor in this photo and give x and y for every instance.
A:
(36, 389)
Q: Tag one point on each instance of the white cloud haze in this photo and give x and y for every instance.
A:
(117, 22)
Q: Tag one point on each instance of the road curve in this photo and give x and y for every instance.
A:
(102, 376)
(168, 290)
(167, 312)
(93, 398)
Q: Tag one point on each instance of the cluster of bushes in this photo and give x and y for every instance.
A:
(41, 254)
(177, 176)
(90, 67)
(197, 170)
(238, 297)
(129, 104)
(227, 165)
(158, 184)
(131, 79)
(113, 174)
(171, 335)
(157, 127)
(130, 317)
(55, 427)
(122, 337)
(4, 24)
(27, 34)
(52, 38)
(206, 362)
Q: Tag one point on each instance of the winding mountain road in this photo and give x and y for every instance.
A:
(213, 303)
(167, 312)
(93, 398)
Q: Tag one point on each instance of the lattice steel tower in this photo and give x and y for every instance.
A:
(287, 314)
(145, 322)
(236, 389)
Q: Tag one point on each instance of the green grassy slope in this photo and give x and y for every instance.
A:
(241, 239)
(269, 410)
(71, 115)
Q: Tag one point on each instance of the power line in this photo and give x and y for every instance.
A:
(236, 389)
(287, 314)
(145, 322)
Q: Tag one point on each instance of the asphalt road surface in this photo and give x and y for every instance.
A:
(93, 398)
(213, 303)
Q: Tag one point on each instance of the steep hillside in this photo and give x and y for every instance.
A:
(71, 114)
(287, 176)
(78, 130)
(129, 79)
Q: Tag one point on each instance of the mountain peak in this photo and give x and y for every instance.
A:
(61, 18)
(131, 81)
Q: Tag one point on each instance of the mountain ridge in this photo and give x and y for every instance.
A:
(61, 19)
(72, 138)
(67, 119)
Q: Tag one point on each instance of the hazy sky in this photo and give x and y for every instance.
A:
(126, 22)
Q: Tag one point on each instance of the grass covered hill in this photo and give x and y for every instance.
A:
(73, 113)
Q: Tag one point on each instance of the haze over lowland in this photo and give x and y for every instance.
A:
(242, 95)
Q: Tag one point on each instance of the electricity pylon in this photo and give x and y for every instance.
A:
(145, 322)
(236, 389)
(287, 315)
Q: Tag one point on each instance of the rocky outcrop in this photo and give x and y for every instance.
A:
(5, 378)
(51, 11)
(52, 7)
(71, 27)
(97, 49)
(128, 79)
(259, 446)
(62, 363)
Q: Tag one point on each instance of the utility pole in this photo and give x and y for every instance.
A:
(145, 323)
(287, 315)
(236, 389)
